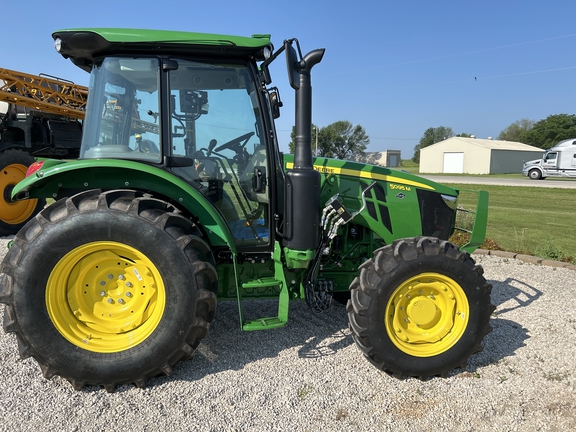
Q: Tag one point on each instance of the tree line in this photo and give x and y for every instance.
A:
(343, 140)
(339, 140)
(543, 133)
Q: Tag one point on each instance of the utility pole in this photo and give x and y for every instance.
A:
(316, 152)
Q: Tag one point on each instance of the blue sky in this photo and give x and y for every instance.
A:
(394, 67)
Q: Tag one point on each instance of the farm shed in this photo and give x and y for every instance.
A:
(476, 156)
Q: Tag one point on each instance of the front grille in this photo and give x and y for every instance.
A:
(436, 217)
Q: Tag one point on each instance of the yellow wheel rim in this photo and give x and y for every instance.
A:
(426, 315)
(14, 213)
(105, 297)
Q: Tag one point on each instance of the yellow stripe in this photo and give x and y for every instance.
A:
(364, 174)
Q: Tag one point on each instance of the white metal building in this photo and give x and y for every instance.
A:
(476, 156)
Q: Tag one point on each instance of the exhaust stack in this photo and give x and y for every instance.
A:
(302, 182)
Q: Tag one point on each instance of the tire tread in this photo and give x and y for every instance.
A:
(165, 217)
(364, 291)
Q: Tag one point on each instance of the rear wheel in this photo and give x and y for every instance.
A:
(13, 215)
(108, 289)
(419, 308)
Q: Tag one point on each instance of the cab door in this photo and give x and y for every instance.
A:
(551, 161)
(217, 127)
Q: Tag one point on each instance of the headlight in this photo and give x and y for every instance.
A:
(450, 201)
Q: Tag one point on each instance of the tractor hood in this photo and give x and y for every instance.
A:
(329, 167)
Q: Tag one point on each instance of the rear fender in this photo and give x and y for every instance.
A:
(58, 179)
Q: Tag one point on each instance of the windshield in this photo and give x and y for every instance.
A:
(123, 111)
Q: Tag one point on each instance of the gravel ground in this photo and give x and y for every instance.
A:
(310, 376)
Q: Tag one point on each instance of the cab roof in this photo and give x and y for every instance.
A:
(82, 46)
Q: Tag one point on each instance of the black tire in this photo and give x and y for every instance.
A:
(62, 260)
(535, 174)
(14, 215)
(419, 308)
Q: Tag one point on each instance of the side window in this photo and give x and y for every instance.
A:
(128, 125)
(551, 156)
(216, 123)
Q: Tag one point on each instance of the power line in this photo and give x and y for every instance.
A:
(528, 73)
(477, 78)
(452, 55)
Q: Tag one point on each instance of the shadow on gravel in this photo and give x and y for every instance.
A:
(512, 294)
(506, 336)
(227, 347)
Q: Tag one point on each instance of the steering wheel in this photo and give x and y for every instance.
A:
(236, 142)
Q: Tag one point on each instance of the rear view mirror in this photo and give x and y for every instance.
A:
(275, 102)
(292, 64)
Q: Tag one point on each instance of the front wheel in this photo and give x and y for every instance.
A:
(419, 308)
(535, 174)
(108, 289)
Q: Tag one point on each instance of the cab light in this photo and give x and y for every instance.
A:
(35, 167)
(267, 53)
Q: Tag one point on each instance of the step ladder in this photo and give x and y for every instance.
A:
(278, 280)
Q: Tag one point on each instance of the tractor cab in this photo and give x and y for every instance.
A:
(203, 120)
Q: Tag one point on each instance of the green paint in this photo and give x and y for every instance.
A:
(145, 36)
(478, 233)
(298, 259)
(59, 178)
(278, 280)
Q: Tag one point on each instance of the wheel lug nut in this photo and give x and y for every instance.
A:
(102, 293)
(121, 301)
(129, 284)
(110, 276)
(128, 294)
(121, 277)
(102, 283)
(110, 300)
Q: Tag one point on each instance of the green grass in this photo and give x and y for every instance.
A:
(532, 220)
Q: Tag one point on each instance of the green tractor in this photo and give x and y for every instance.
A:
(181, 198)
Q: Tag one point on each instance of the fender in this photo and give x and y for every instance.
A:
(57, 179)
